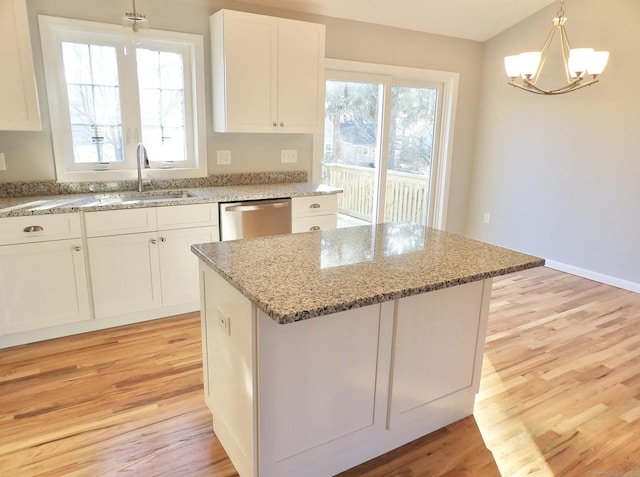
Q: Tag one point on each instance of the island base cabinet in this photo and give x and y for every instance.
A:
(322, 395)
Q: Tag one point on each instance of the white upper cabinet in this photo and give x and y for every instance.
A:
(18, 94)
(268, 73)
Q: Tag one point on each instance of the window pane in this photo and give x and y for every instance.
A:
(91, 73)
(97, 144)
(411, 143)
(353, 114)
(162, 103)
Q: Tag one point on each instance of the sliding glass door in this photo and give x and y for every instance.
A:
(380, 142)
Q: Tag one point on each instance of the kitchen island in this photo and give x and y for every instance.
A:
(325, 349)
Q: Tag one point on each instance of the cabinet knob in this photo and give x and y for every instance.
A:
(33, 228)
(314, 206)
(163, 239)
(77, 248)
(153, 241)
(281, 124)
(314, 227)
(275, 125)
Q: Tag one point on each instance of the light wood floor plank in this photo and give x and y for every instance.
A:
(559, 396)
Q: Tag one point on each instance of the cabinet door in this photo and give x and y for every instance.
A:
(18, 95)
(179, 266)
(42, 284)
(300, 78)
(244, 62)
(125, 274)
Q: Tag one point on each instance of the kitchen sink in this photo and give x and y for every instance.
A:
(137, 197)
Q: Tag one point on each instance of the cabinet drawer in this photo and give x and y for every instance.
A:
(186, 216)
(38, 228)
(314, 205)
(321, 222)
(118, 222)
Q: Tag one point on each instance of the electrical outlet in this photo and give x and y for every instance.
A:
(223, 158)
(224, 321)
(288, 156)
(3, 163)
(487, 217)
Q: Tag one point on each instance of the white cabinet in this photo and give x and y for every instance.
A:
(267, 73)
(125, 274)
(42, 273)
(178, 265)
(18, 94)
(318, 212)
(141, 259)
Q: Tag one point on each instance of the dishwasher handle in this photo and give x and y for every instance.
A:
(252, 207)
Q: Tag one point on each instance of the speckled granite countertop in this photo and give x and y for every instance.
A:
(58, 204)
(306, 275)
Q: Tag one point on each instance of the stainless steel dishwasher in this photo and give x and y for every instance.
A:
(255, 218)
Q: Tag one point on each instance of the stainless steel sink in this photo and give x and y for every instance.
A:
(137, 197)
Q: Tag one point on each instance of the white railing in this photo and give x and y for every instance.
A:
(407, 195)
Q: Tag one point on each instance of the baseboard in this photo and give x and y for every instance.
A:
(595, 276)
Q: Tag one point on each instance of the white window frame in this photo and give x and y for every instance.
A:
(55, 30)
(345, 70)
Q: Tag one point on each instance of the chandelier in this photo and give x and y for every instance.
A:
(578, 63)
(135, 20)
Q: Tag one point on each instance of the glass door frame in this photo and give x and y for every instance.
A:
(387, 75)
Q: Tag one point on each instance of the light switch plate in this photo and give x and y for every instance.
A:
(288, 156)
(223, 158)
(3, 163)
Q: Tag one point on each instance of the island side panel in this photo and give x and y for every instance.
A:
(228, 341)
(436, 338)
(322, 393)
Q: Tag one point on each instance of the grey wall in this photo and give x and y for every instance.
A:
(560, 175)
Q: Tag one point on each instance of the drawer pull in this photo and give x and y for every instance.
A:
(33, 228)
(314, 206)
(315, 227)
(77, 248)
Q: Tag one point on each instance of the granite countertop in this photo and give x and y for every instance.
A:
(306, 275)
(58, 204)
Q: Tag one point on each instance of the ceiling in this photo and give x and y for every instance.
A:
(471, 19)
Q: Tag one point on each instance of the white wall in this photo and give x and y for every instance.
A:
(560, 175)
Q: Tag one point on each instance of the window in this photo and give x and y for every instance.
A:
(387, 142)
(110, 90)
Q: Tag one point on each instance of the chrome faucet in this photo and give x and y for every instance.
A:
(141, 156)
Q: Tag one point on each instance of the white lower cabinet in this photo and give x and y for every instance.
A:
(42, 284)
(154, 272)
(179, 266)
(125, 274)
(43, 279)
(318, 212)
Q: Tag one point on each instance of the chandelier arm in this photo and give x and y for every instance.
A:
(574, 86)
(543, 53)
(566, 48)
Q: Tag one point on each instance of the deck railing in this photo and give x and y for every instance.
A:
(407, 195)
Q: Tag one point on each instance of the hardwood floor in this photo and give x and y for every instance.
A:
(560, 395)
